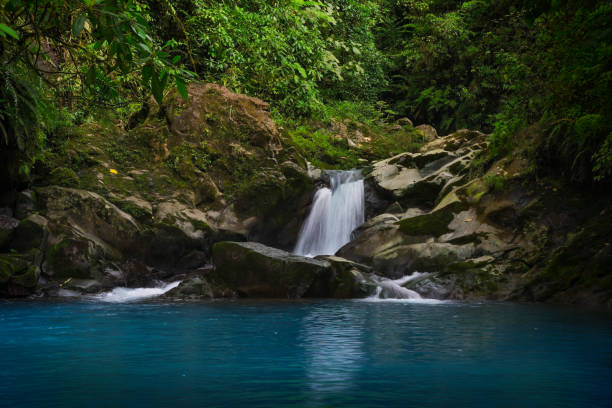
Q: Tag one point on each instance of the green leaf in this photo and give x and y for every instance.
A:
(147, 72)
(300, 70)
(8, 30)
(182, 87)
(78, 24)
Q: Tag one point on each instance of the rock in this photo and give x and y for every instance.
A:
(194, 260)
(25, 204)
(19, 273)
(27, 279)
(191, 221)
(369, 225)
(404, 122)
(140, 209)
(434, 223)
(413, 177)
(137, 274)
(344, 280)
(395, 208)
(460, 139)
(32, 232)
(65, 177)
(239, 114)
(8, 225)
(193, 288)
(428, 131)
(90, 214)
(255, 270)
(12, 264)
(75, 257)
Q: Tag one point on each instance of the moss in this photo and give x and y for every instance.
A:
(473, 191)
(65, 177)
(29, 278)
(60, 259)
(434, 224)
(200, 225)
(12, 264)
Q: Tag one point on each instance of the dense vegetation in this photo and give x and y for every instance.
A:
(535, 73)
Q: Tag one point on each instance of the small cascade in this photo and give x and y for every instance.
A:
(335, 213)
(392, 290)
(121, 295)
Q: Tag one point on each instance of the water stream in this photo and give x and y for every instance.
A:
(335, 213)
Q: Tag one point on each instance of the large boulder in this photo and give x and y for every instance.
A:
(255, 270)
(19, 273)
(343, 280)
(209, 103)
(418, 179)
(90, 214)
(428, 132)
(32, 232)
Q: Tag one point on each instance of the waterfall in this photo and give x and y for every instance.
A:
(335, 213)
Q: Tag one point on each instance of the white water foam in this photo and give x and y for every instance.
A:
(335, 213)
(389, 290)
(121, 295)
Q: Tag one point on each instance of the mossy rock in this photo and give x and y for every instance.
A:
(434, 223)
(32, 232)
(255, 270)
(65, 177)
(28, 279)
(69, 258)
(344, 280)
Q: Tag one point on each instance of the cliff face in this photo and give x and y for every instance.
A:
(130, 207)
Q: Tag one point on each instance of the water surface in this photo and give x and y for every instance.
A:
(303, 354)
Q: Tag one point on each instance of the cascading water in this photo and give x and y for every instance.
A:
(335, 213)
(392, 290)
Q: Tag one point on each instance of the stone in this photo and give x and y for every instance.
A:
(140, 209)
(91, 214)
(255, 270)
(32, 232)
(194, 288)
(428, 131)
(28, 279)
(25, 204)
(344, 280)
(404, 122)
(8, 225)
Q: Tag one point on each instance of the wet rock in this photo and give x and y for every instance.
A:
(194, 288)
(255, 270)
(344, 280)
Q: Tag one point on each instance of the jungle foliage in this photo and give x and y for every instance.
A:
(512, 68)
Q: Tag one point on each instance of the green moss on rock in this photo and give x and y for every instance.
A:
(435, 224)
(29, 278)
(65, 177)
